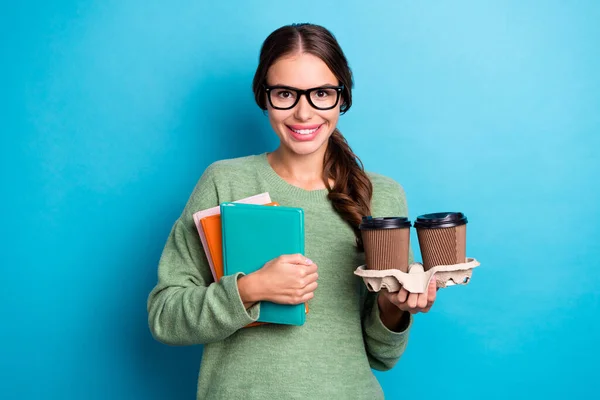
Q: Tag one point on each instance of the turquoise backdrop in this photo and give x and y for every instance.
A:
(110, 111)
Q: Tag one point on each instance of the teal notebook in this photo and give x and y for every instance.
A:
(256, 234)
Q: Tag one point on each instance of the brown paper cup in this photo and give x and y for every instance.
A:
(387, 248)
(442, 238)
(386, 242)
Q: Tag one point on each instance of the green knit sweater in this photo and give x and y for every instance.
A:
(331, 355)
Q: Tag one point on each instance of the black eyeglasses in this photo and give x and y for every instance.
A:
(321, 98)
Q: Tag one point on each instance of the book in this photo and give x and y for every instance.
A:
(261, 198)
(211, 226)
(253, 235)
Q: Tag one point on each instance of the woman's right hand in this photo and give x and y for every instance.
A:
(287, 279)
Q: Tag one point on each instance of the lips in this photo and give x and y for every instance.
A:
(304, 129)
(304, 132)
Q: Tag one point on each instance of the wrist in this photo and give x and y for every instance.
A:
(391, 316)
(249, 289)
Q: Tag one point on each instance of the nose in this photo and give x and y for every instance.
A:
(303, 110)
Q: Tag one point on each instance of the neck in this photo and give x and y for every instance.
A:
(305, 171)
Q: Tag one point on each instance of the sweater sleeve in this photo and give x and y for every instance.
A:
(385, 347)
(186, 307)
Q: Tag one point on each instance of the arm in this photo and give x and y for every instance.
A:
(186, 306)
(385, 330)
(395, 314)
(385, 327)
(384, 346)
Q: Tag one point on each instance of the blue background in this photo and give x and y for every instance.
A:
(111, 110)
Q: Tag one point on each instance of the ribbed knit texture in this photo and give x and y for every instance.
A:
(331, 355)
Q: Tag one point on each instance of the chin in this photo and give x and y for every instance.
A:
(306, 148)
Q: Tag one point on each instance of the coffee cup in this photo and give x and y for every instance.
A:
(442, 238)
(386, 241)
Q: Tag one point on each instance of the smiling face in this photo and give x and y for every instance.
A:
(303, 129)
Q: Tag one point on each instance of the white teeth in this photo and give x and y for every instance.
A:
(305, 131)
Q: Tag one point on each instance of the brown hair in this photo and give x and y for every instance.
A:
(352, 190)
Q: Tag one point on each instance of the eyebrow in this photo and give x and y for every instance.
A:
(314, 87)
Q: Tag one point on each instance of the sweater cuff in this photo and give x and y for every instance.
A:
(375, 328)
(239, 313)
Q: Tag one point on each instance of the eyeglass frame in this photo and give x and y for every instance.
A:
(306, 93)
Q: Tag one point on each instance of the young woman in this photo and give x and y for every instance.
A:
(304, 83)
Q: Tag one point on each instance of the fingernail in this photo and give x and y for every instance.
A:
(308, 261)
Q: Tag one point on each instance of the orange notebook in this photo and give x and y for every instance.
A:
(213, 231)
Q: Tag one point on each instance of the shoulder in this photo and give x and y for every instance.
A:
(217, 177)
(384, 186)
(389, 197)
(231, 167)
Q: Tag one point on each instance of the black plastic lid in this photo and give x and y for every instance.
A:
(440, 220)
(384, 223)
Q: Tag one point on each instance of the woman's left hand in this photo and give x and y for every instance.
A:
(413, 302)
